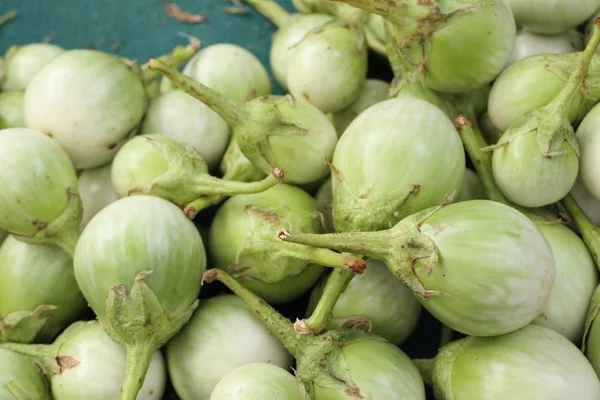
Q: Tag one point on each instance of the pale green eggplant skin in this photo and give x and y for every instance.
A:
(287, 37)
(11, 109)
(300, 153)
(552, 17)
(418, 91)
(36, 177)
(96, 191)
(375, 368)
(23, 63)
(508, 262)
(29, 278)
(136, 234)
(20, 378)
(232, 227)
(529, 44)
(230, 70)
(100, 368)
(371, 92)
(531, 363)
(139, 162)
(588, 136)
(258, 381)
(410, 139)
(471, 189)
(576, 277)
(526, 86)
(529, 179)
(222, 335)
(179, 116)
(486, 36)
(391, 308)
(89, 101)
(328, 67)
(588, 202)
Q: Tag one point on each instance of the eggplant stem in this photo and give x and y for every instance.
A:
(589, 232)
(446, 336)
(12, 14)
(425, 367)
(219, 189)
(473, 142)
(139, 356)
(336, 283)
(210, 184)
(272, 11)
(325, 257)
(230, 110)
(178, 56)
(278, 325)
(577, 77)
(364, 243)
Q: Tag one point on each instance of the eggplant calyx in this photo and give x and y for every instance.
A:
(354, 211)
(62, 231)
(264, 257)
(139, 322)
(322, 364)
(24, 326)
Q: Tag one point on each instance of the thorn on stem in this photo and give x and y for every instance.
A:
(283, 234)
(142, 275)
(119, 289)
(302, 328)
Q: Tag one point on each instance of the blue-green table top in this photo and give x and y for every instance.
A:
(140, 29)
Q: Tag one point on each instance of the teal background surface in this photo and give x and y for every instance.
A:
(141, 28)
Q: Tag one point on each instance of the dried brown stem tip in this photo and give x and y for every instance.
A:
(190, 212)
(209, 276)
(278, 173)
(461, 122)
(178, 14)
(356, 265)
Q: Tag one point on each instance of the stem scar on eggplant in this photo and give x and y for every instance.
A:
(65, 363)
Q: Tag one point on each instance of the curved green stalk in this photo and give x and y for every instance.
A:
(178, 56)
(12, 14)
(473, 141)
(589, 232)
(272, 11)
(446, 336)
(139, 357)
(230, 110)
(425, 367)
(277, 324)
(336, 283)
